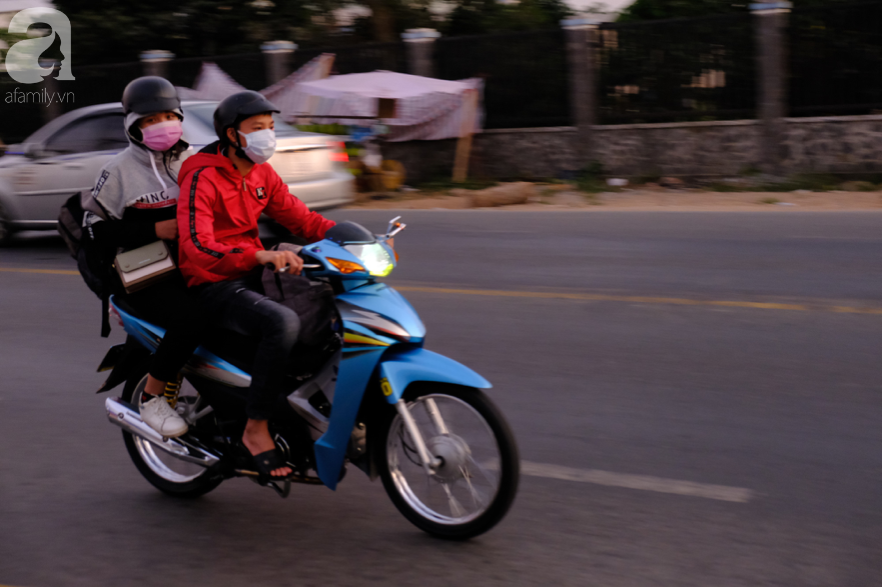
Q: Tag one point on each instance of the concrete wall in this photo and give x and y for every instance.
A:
(844, 144)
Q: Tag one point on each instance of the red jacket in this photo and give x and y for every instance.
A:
(218, 211)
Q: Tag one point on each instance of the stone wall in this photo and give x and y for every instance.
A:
(679, 149)
(519, 153)
(836, 144)
(845, 144)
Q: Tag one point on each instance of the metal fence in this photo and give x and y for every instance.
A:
(99, 84)
(655, 71)
(525, 75)
(677, 70)
(359, 58)
(836, 60)
(247, 69)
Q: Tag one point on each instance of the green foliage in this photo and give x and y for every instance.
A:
(191, 28)
(9, 39)
(328, 129)
(659, 9)
(443, 185)
(590, 179)
(811, 182)
(473, 17)
(803, 181)
(390, 18)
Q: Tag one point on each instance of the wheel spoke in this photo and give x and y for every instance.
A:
(455, 507)
(476, 497)
(483, 471)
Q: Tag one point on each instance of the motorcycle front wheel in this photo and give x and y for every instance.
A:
(475, 479)
(168, 474)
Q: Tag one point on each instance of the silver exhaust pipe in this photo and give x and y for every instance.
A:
(123, 415)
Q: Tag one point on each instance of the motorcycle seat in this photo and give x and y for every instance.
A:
(236, 348)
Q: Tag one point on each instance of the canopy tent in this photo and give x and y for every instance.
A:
(212, 83)
(381, 84)
(286, 94)
(425, 108)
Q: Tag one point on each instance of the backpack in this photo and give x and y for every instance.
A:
(93, 263)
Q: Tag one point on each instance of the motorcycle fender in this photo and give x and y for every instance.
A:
(418, 364)
(123, 359)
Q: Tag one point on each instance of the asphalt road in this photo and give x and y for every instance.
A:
(695, 395)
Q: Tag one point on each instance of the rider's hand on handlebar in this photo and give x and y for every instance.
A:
(167, 230)
(280, 259)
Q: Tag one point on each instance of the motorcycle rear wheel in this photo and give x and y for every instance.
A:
(476, 484)
(169, 475)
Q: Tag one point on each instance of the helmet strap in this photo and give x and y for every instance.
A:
(240, 152)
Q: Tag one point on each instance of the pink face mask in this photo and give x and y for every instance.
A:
(162, 136)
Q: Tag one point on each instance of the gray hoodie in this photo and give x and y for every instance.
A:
(137, 178)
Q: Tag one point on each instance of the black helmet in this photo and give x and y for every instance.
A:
(234, 109)
(150, 94)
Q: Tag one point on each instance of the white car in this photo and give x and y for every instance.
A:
(65, 156)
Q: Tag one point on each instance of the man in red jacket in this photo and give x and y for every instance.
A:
(224, 189)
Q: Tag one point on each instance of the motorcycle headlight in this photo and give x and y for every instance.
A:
(375, 258)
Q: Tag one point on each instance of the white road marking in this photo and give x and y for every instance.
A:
(642, 482)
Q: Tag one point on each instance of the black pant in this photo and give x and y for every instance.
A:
(172, 306)
(239, 304)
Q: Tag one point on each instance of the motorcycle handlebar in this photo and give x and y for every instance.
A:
(285, 269)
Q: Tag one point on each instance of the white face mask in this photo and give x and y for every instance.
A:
(261, 145)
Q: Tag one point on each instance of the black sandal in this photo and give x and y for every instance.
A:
(267, 462)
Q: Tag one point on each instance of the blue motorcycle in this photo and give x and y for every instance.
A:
(372, 398)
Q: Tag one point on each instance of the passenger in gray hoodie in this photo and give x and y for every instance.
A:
(138, 192)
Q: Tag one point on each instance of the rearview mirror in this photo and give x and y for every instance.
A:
(394, 227)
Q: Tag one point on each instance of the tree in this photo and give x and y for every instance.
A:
(108, 31)
(472, 17)
(390, 18)
(191, 28)
(658, 9)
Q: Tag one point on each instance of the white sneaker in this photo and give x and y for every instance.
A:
(161, 417)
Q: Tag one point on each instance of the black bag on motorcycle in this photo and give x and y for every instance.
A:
(312, 300)
(93, 262)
